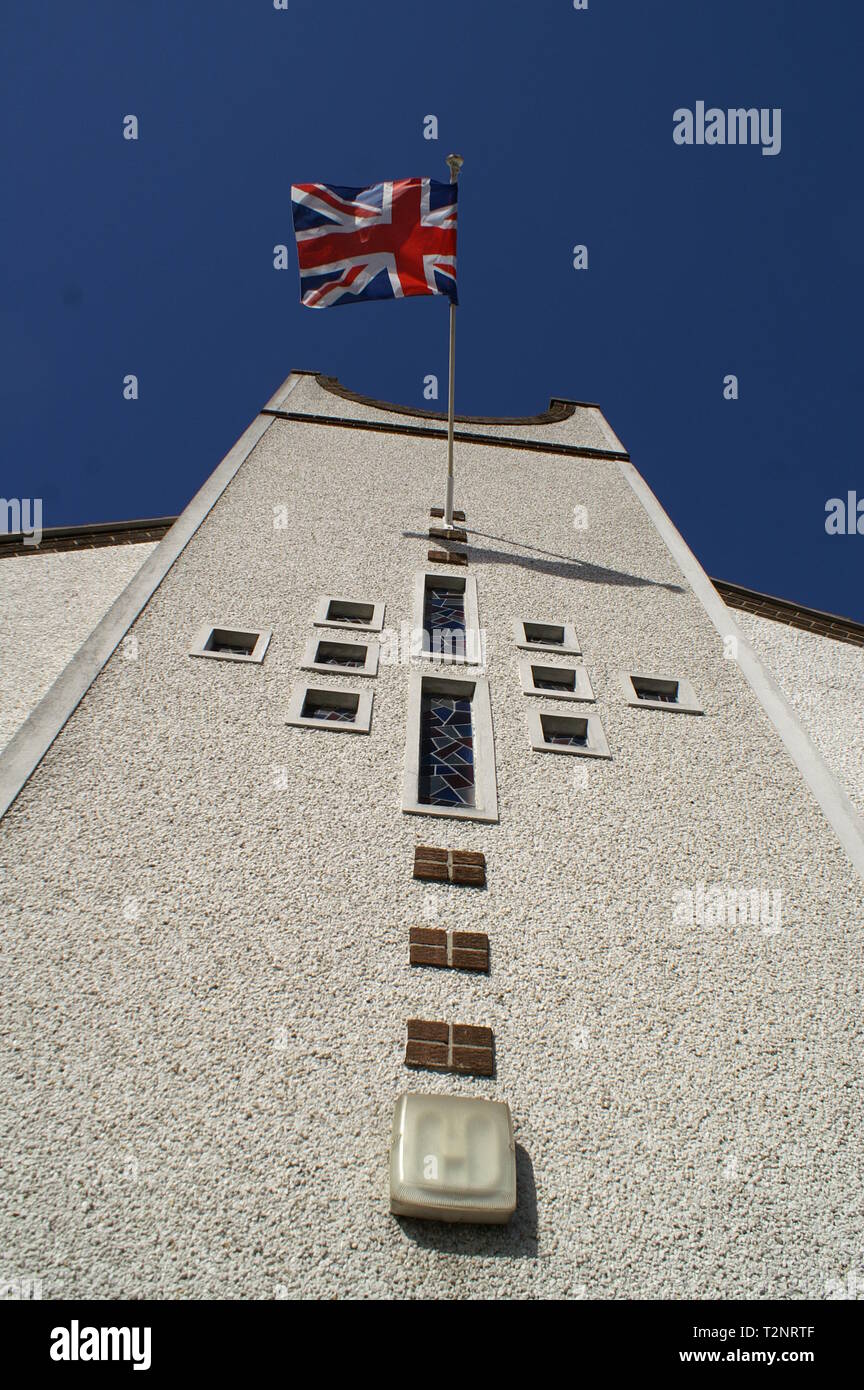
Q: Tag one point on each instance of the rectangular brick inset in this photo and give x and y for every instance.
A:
(471, 940)
(446, 557)
(465, 1035)
(456, 865)
(428, 955)
(468, 873)
(434, 1056)
(439, 512)
(436, 856)
(458, 950)
(473, 1061)
(431, 869)
(455, 533)
(428, 936)
(421, 1030)
(470, 960)
(468, 1051)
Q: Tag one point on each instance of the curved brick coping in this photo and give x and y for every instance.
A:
(559, 409)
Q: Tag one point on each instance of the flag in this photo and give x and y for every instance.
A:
(384, 242)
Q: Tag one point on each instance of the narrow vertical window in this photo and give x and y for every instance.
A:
(446, 751)
(449, 749)
(446, 621)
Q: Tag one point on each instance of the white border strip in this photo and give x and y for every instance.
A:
(26, 749)
(836, 806)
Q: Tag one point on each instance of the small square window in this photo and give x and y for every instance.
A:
(333, 656)
(323, 707)
(555, 682)
(356, 614)
(567, 733)
(546, 637)
(231, 643)
(452, 1158)
(660, 692)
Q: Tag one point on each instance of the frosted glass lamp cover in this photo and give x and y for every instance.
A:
(452, 1158)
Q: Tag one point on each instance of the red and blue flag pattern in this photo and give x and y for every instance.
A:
(388, 241)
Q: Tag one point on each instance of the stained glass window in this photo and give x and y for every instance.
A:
(312, 709)
(664, 691)
(345, 611)
(572, 740)
(446, 751)
(550, 635)
(444, 619)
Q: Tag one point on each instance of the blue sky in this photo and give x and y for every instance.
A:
(155, 256)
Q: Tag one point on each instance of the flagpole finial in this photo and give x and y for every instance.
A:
(454, 164)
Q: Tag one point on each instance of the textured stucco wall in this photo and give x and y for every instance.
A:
(824, 682)
(48, 605)
(205, 936)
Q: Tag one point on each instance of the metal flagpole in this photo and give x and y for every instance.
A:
(454, 163)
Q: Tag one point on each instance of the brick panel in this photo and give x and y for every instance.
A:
(458, 950)
(467, 1051)
(450, 865)
(446, 557)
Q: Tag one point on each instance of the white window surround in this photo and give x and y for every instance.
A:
(337, 697)
(370, 616)
(475, 688)
(568, 647)
(596, 746)
(464, 584)
(367, 650)
(582, 689)
(686, 703)
(225, 634)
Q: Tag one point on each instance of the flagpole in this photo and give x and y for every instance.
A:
(454, 163)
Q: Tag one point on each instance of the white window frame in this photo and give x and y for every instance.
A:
(569, 647)
(321, 619)
(596, 747)
(369, 649)
(687, 702)
(421, 645)
(360, 724)
(476, 688)
(204, 634)
(582, 690)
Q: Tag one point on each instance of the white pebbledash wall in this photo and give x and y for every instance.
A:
(823, 680)
(207, 912)
(49, 604)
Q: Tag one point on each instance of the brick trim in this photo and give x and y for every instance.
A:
(535, 446)
(450, 865)
(455, 533)
(460, 1048)
(57, 538)
(446, 557)
(559, 408)
(781, 610)
(457, 950)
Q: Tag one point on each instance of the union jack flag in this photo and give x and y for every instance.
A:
(385, 242)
